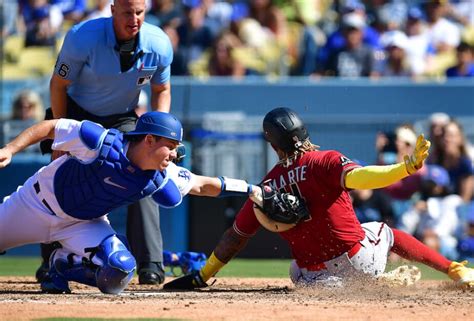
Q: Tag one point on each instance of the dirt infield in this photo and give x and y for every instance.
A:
(242, 299)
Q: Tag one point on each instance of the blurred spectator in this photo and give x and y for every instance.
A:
(262, 53)
(42, 22)
(419, 51)
(437, 121)
(164, 13)
(461, 12)
(389, 14)
(466, 237)
(269, 16)
(217, 15)
(221, 59)
(240, 11)
(336, 40)
(194, 36)
(27, 105)
(72, 10)
(454, 156)
(465, 62)
(434, 218)
(179, 65)
(10, 18)
(355, 59)
(305, 12)
(101, 9)
(395, 63)
(443, 34)
(444, 37)
(391, 150)
(372, 205)
(311, 42)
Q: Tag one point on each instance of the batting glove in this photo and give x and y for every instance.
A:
(188, 282)
(415, 161)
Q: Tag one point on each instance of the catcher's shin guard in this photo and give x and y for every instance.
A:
(110, 268)
(117, 265)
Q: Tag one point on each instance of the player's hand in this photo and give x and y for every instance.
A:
(415, 161)
(5, 157)
(188, 282)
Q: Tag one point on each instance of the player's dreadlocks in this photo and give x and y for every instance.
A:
(304, 147)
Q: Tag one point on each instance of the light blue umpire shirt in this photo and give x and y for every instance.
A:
(90, 59)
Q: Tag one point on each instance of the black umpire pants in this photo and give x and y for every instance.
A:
(143, 217)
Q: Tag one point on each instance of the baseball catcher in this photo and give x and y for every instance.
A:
(67, 201)
(328, 244)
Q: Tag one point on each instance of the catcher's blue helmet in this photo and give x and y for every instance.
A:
(159, 124)
(284, 129)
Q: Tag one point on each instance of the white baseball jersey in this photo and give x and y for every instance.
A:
(32, 214)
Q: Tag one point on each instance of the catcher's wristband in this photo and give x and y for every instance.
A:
(234, 187)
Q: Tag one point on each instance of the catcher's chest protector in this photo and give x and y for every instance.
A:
(87, 191)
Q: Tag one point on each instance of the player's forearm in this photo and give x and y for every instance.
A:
(206, 186)
(221, 187)
(32, 135)
(58, 95)
(372, 177)
(161, 97)
(230, 244)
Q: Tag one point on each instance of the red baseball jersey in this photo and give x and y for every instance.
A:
(332, 227)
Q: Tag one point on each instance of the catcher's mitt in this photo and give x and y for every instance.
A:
(277, 211)
(188, 282)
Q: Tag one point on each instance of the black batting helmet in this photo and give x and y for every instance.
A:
(284, 129)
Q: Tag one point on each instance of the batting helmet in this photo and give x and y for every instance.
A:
(284, 129)
(159, 124)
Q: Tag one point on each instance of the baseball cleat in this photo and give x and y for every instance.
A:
(404, 275)
(461, 274)
(55, 285)
(42, 272)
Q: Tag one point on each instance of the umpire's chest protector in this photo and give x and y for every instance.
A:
(87, 191)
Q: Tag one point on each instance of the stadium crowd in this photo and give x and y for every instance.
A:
(346, 38)
(435, 204)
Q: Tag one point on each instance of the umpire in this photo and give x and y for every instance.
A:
(101, 69)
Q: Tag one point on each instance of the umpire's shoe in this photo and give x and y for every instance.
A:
(151, 273)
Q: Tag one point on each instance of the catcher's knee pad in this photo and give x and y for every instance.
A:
(116, 266)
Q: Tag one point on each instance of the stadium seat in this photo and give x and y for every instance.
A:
(12, 48)
(13, 71)
(39, 60)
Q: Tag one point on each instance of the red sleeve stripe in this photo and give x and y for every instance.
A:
(345, 171)
(236, 229)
